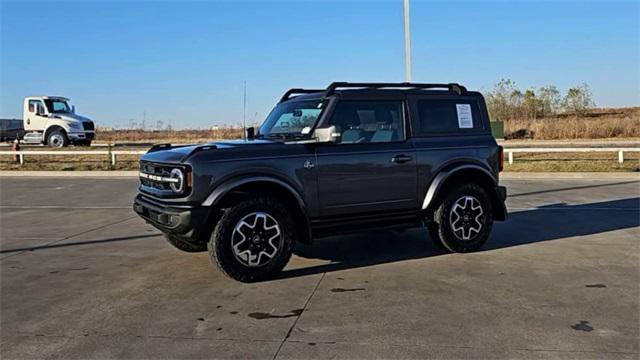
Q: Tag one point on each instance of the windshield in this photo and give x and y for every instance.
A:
(57, 106)
(287, 120)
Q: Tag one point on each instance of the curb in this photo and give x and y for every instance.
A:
(503, 176)
(569, 175)
(99, 174)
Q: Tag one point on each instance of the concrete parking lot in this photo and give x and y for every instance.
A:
(82, 277)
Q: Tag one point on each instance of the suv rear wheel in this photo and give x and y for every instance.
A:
(463, 219)
(253, 240)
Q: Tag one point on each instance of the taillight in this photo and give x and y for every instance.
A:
(500, 158)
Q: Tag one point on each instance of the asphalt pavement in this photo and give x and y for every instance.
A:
(81, 276)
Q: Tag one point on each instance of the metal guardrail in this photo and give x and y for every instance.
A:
(619, 150)
(113, 155)
(509, 151)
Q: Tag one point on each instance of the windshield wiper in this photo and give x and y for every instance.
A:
(286, 136)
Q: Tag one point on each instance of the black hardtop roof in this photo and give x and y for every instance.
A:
(387, 89)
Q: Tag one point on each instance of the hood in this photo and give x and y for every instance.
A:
(166, 153)
(70, 117)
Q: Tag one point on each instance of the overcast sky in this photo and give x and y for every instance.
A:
(185, 62)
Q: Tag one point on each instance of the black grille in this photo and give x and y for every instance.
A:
(88, 125)
(157, 170)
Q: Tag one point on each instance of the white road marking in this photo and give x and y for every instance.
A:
(65, 207)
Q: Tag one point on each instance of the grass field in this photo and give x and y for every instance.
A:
(619, 123)
(608, 126)
(524, 162)
(596, 124)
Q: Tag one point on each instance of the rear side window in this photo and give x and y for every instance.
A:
(448, 116)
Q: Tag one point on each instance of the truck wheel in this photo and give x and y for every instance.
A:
(57, 139)
(462, 221)
(253, 240)
(186, 246)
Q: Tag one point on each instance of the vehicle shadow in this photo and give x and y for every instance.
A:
(76, 243)
(552, 222)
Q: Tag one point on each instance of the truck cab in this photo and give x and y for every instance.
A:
(53, 121)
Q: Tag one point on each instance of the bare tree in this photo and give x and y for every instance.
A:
(549, 100)
(578, 99)
(529, 104)
(500, 99)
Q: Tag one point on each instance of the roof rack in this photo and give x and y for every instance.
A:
(457, 88)
(287, 95)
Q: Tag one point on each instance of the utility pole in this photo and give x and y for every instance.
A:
(407, 40)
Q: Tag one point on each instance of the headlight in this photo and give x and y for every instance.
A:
(177, 185)
(74, 125)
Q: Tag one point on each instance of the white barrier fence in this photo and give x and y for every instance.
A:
(113, 155)
(509, 151)
(620, 151)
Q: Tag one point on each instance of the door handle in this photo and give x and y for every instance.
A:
(399, 159)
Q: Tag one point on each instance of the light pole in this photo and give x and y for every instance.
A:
(244, 111)
(407, 40)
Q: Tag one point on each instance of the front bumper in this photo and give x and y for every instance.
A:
(185, 222)
(85, 135)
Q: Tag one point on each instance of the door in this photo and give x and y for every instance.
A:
(35, 118)
(372, 167)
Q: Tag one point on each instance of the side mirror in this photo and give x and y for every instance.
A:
(250, 133)
(73, 109)
(39, 110)
(327, 134)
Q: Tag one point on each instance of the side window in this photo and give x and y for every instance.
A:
(368, 121)
(448, 116)
(35, 106)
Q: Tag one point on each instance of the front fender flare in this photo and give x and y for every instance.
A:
(219, 192)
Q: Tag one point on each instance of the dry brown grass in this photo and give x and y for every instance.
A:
(597, 124)
(563, 162)
(160, 136)
(574, 162)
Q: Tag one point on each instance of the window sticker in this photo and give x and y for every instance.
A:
(465, 120)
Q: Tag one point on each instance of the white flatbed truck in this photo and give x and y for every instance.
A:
(48, 120)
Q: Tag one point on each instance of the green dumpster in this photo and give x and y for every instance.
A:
(497, 129)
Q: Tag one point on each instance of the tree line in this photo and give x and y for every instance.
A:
(506, 101)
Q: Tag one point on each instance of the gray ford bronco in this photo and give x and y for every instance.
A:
(351, 157)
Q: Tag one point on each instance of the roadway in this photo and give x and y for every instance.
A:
(81, 276)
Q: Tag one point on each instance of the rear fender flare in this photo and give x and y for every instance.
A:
(442, 177)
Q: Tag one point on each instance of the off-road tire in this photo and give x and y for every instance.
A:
(442, 230)
(432, 229)
(186, 246)
(220, 244)
(57, 139)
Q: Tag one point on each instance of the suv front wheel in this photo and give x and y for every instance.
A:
(253, 240)
(463, 219)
